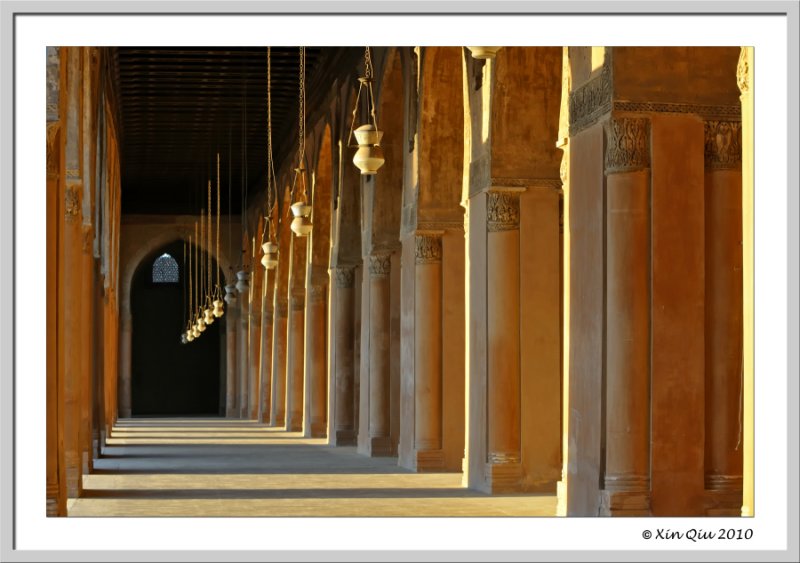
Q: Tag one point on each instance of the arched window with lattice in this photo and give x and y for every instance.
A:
(165, 269)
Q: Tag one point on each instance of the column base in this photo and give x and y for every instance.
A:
(73, 475)
(723, 495)
(624, 503)
(344, 438)
(429, 461)
(380, 446)
(95, 443)
(294, 427)
(319, 429)
(278, 420)
(503, 478)
(52, 500)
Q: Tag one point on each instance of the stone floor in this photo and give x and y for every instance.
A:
(224, 467)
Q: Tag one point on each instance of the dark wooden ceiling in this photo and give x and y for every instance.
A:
(179, 106)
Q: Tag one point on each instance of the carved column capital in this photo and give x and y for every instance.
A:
(502, 211)
(317, 293)
(380, 264)
(345, 276)
(72, 202)
(723, 144)
(428, 247)
(627, 144)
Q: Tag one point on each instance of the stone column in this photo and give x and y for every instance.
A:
(231, 376)
(316, 408)
(428, 455)
(627, 468)
(87, 347)
(279, 331)
(380, 443)
(344, 430)
(723, 317)
(294, 363)
(503, 469)
(744, 79)
(72, 342)
(243, 339)
(125, 348)
(265, 357)
(55, 497)
(253, 392)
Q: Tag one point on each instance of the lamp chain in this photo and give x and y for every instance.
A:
(208, 248)
(189, 320)
(367, 64)
(270, 166)
(196, 256)
(217, 289)
(302, 112)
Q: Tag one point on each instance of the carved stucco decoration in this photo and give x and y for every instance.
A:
(590, 101)
(545, 183)
(743, 72)
(71, 202)
(502, 211)
(705, 111)
(723, 144)
(345, 276)
(53, 82)
(627, 144)
(380, 265)
(428, 248)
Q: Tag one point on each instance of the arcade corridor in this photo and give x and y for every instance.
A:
(399, 281)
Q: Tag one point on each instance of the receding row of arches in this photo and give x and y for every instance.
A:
(541, 288)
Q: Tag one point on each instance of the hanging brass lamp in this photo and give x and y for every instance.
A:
(218, 304)
(301, 210)
(369, 156)
(270, 248)
(484, 52)
(301, 224)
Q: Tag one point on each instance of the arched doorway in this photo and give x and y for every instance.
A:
(170, 378)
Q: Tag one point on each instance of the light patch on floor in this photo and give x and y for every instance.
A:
(224, 467)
